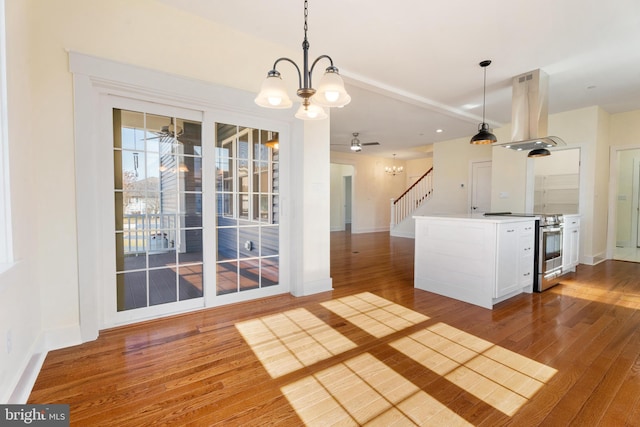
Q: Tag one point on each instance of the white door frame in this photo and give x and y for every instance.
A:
(348, 201)
(635, 204)
(613, 195)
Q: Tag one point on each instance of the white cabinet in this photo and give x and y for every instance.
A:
(571, 243)
(476, 259)
(515, 257)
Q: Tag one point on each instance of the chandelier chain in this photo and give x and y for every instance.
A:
(306, 14)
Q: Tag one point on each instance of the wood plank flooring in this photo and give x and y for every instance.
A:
(374, 351)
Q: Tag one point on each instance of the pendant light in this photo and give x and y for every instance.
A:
(539, 152)
(330, 91)
(484, 135)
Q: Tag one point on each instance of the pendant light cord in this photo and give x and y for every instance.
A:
(484, 93)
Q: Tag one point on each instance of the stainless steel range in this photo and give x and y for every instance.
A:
(549, 251)
(548, 248)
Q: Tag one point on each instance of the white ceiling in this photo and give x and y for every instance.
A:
(411, 66)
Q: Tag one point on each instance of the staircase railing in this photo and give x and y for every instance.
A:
(413, 197)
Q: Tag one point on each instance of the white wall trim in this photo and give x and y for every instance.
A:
(595, 259)
(369, 230)
(404, 234)
(27, 380)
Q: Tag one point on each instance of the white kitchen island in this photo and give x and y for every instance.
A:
(477, 259)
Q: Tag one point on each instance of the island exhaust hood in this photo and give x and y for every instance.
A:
(529, 114)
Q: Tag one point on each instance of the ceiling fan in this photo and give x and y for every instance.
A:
(171, 131)
(356, 145)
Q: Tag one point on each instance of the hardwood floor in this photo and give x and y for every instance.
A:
(373, 351)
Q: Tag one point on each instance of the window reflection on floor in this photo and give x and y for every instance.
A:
(362, 389)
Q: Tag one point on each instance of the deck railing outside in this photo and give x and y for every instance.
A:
(412, 198)
(154, 232)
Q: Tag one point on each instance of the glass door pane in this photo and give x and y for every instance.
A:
(247, 225)
(158, 209)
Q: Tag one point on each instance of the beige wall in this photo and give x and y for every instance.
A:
(625, 128)
(415, 168)
(373, 190)
(451, 174)
(20, 317)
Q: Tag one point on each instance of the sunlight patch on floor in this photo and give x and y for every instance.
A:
(605, 296)
(288, 341)
(495, 375)
(373, 314)
(365, 391)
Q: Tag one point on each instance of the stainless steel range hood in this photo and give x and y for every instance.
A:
(529, 113)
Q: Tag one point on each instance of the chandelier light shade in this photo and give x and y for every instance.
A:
(330, 91)
(311, 112)
(484, 135)
(355, 143)
(393, 169)
(273, 93)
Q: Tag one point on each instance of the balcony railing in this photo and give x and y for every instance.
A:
(149, 232)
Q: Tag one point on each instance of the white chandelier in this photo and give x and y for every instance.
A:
(393, 170)
(330, 92)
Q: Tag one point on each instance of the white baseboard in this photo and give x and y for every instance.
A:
(47, 341)
(22, 390)
(408, 235)
(594, 260)
(369, 230)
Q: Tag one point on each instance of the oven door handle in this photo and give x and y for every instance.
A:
(551, 230)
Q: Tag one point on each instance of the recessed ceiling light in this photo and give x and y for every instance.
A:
(519, 149)
(439, 131)
(507, 146)
(538, 142)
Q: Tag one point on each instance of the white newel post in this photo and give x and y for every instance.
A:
(393, 214)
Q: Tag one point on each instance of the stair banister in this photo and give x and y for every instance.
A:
(412, 198)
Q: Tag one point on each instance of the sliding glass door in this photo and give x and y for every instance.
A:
(196, 212)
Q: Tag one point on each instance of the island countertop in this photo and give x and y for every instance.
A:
(479, 217)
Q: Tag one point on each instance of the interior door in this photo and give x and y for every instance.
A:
(480, 187)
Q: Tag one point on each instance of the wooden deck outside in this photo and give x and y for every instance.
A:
(374, 351)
